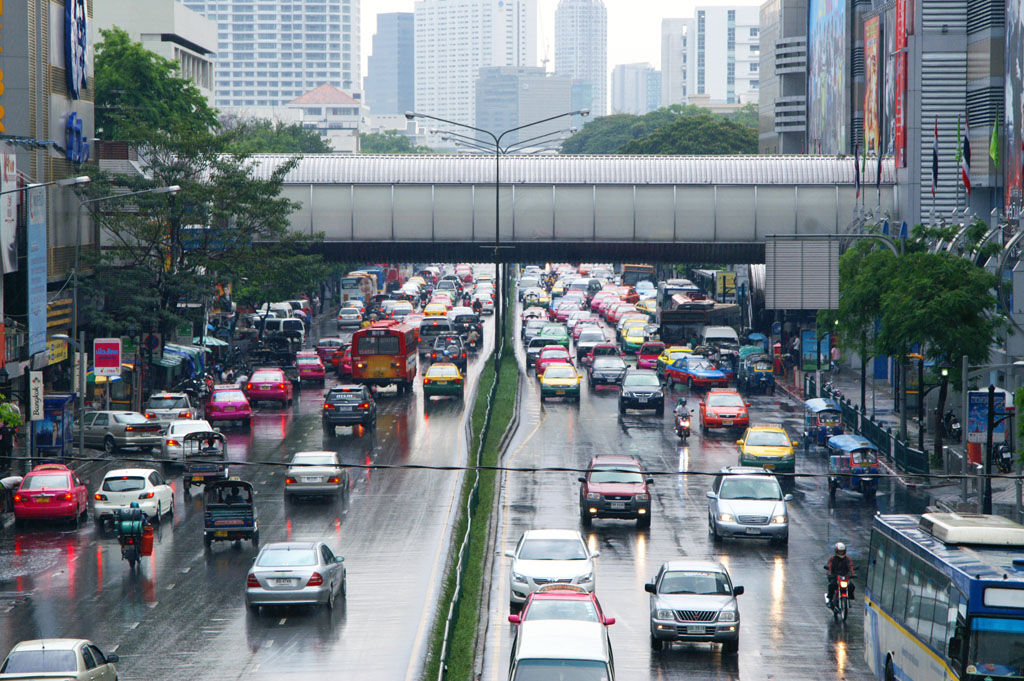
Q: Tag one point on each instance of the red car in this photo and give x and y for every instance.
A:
(269, 384)
(344, 363)
(51, 491)
(615, 487)
(310, 367)
(551, 354)
(601, 350)
(326, 347)
(228, 403)
(723, 408)
(561, 312)
(561, 601)
(647, 356)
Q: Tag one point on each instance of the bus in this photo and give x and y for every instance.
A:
(631, 274)
(670, 287)
(945, 598)
(685, 317)
(385, 353)
(358, 285)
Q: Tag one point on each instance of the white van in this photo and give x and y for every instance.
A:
(556, 649)
(292, 326)
(720, 336)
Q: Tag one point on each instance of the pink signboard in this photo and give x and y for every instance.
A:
(107, 354)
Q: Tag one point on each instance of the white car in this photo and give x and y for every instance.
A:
(171, 448)
(486, 302)
(349, 316)
(549, 557)
(122, 486)
(59, 658)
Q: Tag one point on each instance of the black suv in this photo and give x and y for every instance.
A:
(430, 329)
(641, 389)
(449, 349)
(348, 405)
(464, 322)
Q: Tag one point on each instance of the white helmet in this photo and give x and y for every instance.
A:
(840, 549)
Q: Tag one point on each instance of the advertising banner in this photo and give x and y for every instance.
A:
(1012, 152)
(107, 356)
(9, 213)
(899, 56)
(828, 80)
(808, 361)
(36, 396)
(888, 56)
(872, 50)
(977, 417)
(36, 270)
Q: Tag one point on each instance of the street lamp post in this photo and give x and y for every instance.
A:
(79, 347)
(496, 139)
(66, 182)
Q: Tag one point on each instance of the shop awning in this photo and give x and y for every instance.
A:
(210, 341)
(169, 361)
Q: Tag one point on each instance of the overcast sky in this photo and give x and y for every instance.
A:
(634, 26)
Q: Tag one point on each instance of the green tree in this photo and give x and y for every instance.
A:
(283, 273)
(258, 136)
(705, 134)
(745, 115)
(389, 142)
(138, 92)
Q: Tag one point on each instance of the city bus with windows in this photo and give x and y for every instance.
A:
(358, 285)
(945, 598)
(631, 274)
(385, 353)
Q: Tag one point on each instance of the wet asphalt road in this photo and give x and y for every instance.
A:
(786, 631)
(182, 615)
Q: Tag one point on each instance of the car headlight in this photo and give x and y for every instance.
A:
(727, 616)
(726, 518)
(643, 497)
(589, 577)
(593, 496)
(779, 519)
(516, 577)
(658, 394)
(664, 615)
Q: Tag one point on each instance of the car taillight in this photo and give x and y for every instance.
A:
(426, 381)
(458, 380)
(173, 443)
(17, 497)
(280, 386)
(146, 495)
(364, 405)
(463, 355)
(289, 481)
(394, 365)
(150, 415)
(334, 480)
(248, 386)
(251, 582)
(99, 497)
(328, 405)
(68, 496)
(183, 414)
(315, 580)
(129, 428)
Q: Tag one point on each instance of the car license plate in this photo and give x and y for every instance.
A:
(694, 630)
(753, 530)
(284, 582)
(312, 478)
(442, 382)
(229, 408)
(197, 478)
(264, 387)
(728, 422)
(618, 505)
(642, 400)
(43, 500)
(220, 533)
(771, 466)
(559, 392)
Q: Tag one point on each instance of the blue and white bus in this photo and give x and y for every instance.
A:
(945, 598)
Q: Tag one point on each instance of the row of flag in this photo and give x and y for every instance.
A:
(963, 152)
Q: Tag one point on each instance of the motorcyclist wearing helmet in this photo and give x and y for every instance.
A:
(839, 565)
(681, 409)
(477, 306)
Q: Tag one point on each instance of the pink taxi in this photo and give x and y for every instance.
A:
(269, 384)
(51, 491)
(311, 367)
(228, 403)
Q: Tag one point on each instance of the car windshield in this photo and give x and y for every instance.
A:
(339, 396)
(552, 549)
(48, 481)
(123, 483)
(591, 337)
(549, 354)
(561, 609)
(997, 647)
(606, 350)
(267, 377)
(863, 456)
(314, 460)
(609, 474)
(274, 557)
(560, 372)
(700, 365)
(560, 670)
(695, 582)
(609, 363)
(763, 488)
(719, 400)
(130, 418)
(166, 403)
(535, 324)
(553, 331)
(652, 349)
(641, 381)
(766, 438)
(442, 371)
(307, 361)
(229, 396)
(40, 662)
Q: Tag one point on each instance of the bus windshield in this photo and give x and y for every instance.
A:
(997, 647)
(377, 345)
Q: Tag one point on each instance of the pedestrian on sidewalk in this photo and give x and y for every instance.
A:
(834, 366)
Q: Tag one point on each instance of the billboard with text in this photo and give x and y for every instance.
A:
(827, 77)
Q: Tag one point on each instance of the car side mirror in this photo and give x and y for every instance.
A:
(739, 442)
(581, 479)
(113, 658)
(339, 559)
(788, 497)
(749, 404)
(710, 495)
(650, 481)
(595, 554)
(510, 554)
(515, 619)
(609, 621)
(737, 591)
(649, 588)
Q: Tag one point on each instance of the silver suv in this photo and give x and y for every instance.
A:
(163, 408)
(745, 501)
(694, 600)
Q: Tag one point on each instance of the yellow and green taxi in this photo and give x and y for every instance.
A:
(416, 279)
(633, 337)
(556, 333)
(560, 380)
(768, 446)
(669, 355)
(558, 289)
(648, 307)
(544, 298)
(435, 310)
(443, 378)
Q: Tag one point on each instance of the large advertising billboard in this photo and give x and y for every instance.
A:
(1013, 158)
(888, 123)
(899, 55)
(828, 80)
(9, 213)
(872, 51)
(37, 273)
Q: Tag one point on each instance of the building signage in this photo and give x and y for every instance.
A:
(900, 93)
(2, 127)
(872, 49)
(36, 396)
(56, 351)
(977, 417)
(107, 356)
(76, 46)
(9, 213)
(37, 272)
(76, 143)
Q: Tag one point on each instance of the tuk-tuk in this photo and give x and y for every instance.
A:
(204, 453)
(852, 465)
(229, 512)
(755, 373)
(822, 419)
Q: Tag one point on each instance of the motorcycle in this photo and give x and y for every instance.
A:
(134, 534)
(1004, 457)
(683, 425)
(840, 603)
(951, 424)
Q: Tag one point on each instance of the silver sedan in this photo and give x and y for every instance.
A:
(315, 474)
(295, 573)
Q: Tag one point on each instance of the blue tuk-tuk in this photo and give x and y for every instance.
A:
(755, 373)
(229, 512)
(204, 454)
(852, 465)
(822, 419)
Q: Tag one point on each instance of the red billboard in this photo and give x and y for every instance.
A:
(107, 356)
(900, 56)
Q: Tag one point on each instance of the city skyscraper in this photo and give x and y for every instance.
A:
(581, 47)
(507, 97)
(391, 71)
(456, 38)
(636, 88)
(674, 36)
(269, 53)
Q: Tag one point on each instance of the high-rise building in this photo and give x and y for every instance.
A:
(782, 96)
(674, 35)
(581, 47)
(391, 72)
(508, 97)
(269, 53)
(457, 38)
(636, 88)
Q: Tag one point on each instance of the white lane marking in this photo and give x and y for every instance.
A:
(186, 570)
(113, 649)
(9, 608)
(154, 604)
(269, 643)
(133, 625)
(282, 621)
(170, 586)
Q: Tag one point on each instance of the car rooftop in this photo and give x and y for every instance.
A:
(746, 470)
(696, 565)
(551, 534)
(118, 472)
(49, 644)
(612, 459)
(561, 639)
(290, 545)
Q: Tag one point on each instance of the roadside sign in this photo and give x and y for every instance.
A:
(36, 396)
(107, 356)
(977, 417)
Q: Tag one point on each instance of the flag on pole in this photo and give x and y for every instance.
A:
(957, 150)
(856, 168)
(935, 158)
(904, 230)
(993, 145)
(965, 162)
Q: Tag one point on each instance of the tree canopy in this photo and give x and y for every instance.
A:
(260, 136)
(389, 142)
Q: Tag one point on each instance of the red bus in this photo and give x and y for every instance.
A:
(384, 353)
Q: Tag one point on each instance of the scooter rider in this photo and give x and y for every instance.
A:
(473, 337)
(477, 306)
(839, 565)
(680, 409)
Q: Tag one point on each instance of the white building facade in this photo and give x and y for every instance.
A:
(456, 38)
(675, 60)
(581, 47)
(636, 88)
(269, 53)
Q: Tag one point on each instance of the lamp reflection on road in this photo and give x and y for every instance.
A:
(778, 588)
(841, 656)
(99, 570)
(641, 557)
